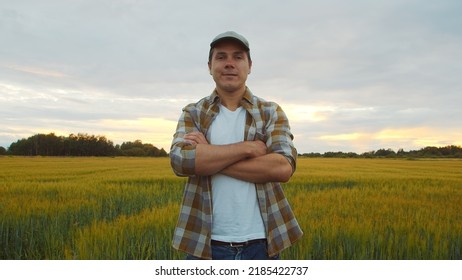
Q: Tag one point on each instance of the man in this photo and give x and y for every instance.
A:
(235, 148)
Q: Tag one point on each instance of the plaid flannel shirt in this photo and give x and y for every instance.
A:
(264, 121)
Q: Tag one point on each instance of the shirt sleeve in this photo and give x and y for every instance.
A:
(183, 154)
(280, 137)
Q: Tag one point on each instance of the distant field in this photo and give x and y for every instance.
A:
(126, 208)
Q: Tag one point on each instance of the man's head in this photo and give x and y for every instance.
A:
(233, 36)
(229, 62)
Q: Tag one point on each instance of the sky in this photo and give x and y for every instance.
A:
(352, 76)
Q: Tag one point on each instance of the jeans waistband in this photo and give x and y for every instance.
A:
(238, 244)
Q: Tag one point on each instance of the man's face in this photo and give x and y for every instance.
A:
(229, 66)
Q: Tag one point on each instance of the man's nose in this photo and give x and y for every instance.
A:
(229, 62)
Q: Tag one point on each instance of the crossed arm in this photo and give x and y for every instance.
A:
(247, 160)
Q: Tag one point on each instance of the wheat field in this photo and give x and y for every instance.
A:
(126, 208)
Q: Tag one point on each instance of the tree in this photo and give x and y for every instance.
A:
(21, 147)
(385, 153)
(400, 152)
(2, 151)
(138, 149)
(52, 145)
(430, 152)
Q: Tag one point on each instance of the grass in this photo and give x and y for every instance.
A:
(126, 208)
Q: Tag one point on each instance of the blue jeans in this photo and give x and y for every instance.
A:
(254, 251)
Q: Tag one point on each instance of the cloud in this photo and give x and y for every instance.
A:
(37, 71)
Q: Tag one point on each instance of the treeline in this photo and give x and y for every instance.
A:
(83, 144)
(80, 144)
(450, 151)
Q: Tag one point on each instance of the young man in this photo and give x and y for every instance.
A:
(234, 148)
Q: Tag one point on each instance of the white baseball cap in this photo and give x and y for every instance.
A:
(231, 35)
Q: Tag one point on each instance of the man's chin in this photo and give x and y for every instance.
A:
(231, 87)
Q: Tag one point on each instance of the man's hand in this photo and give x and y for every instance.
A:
(195, 138)
(257, 148)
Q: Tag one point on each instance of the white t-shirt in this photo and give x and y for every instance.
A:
(236, 216)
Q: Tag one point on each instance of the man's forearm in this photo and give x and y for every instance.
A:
(211, 159)
(268, 168)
